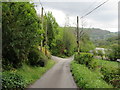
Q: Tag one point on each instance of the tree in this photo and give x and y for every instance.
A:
(113, 52)
(57, 44)
(51, 26)
(86, 44)
(21, 31)
(69, 41)
(64, 42)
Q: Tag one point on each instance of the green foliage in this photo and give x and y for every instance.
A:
(64, 43)
(13, 81)
(51, 26)
(20, 31)
(59, 49)
(58, 45)
(37, 58)
(113, 52)
(86, 44)
(102, 38)
(111, 76)
(94, 52)
(110, 71)
(21, 78)
(94, 65)
(113, 39)
(83, 58)
(86, 78)
(100, 53)
(6, 65)
(69, 42)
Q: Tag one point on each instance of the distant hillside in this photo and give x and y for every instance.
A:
(101, 38)
(97, 34)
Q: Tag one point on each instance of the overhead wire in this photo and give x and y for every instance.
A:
(88, 9)
(94, 9)
(90, 13)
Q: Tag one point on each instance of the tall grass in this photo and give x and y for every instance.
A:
(31, 74)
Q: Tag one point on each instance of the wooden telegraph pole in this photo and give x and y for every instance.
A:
(46, 38)
(42, 28)
(78, 44)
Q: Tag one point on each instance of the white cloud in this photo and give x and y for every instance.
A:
(105, 17)
(65, 0)
(113, 27)
(59, 16)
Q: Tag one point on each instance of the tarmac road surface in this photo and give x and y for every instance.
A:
(59, 76)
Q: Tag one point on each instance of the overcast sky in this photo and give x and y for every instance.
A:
(105, 17)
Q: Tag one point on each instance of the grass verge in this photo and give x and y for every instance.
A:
(24, 76)
(85, 78)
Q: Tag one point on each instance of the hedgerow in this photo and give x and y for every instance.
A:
(108, 69)
(37, 58)
(85, 78)
(83, 58)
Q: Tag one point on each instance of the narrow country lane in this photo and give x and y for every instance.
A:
(59, 76)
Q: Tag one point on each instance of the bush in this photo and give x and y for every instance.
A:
(111, 76)
(6, 65)
(13, 81)
(113, 53)
(109, 69)
(37, 58)
(11, 59)
(85, 78)
(100, 53)
(94, 52)
(83, 58)
(94, 65)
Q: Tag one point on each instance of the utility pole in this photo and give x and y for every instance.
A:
(78, 44)
(46, 38)
(42, 28)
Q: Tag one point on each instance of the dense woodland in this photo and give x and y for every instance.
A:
(23, 31)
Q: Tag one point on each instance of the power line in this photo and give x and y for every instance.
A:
(82, 33)
(87, 9)
(94, 9)
(92, 6)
